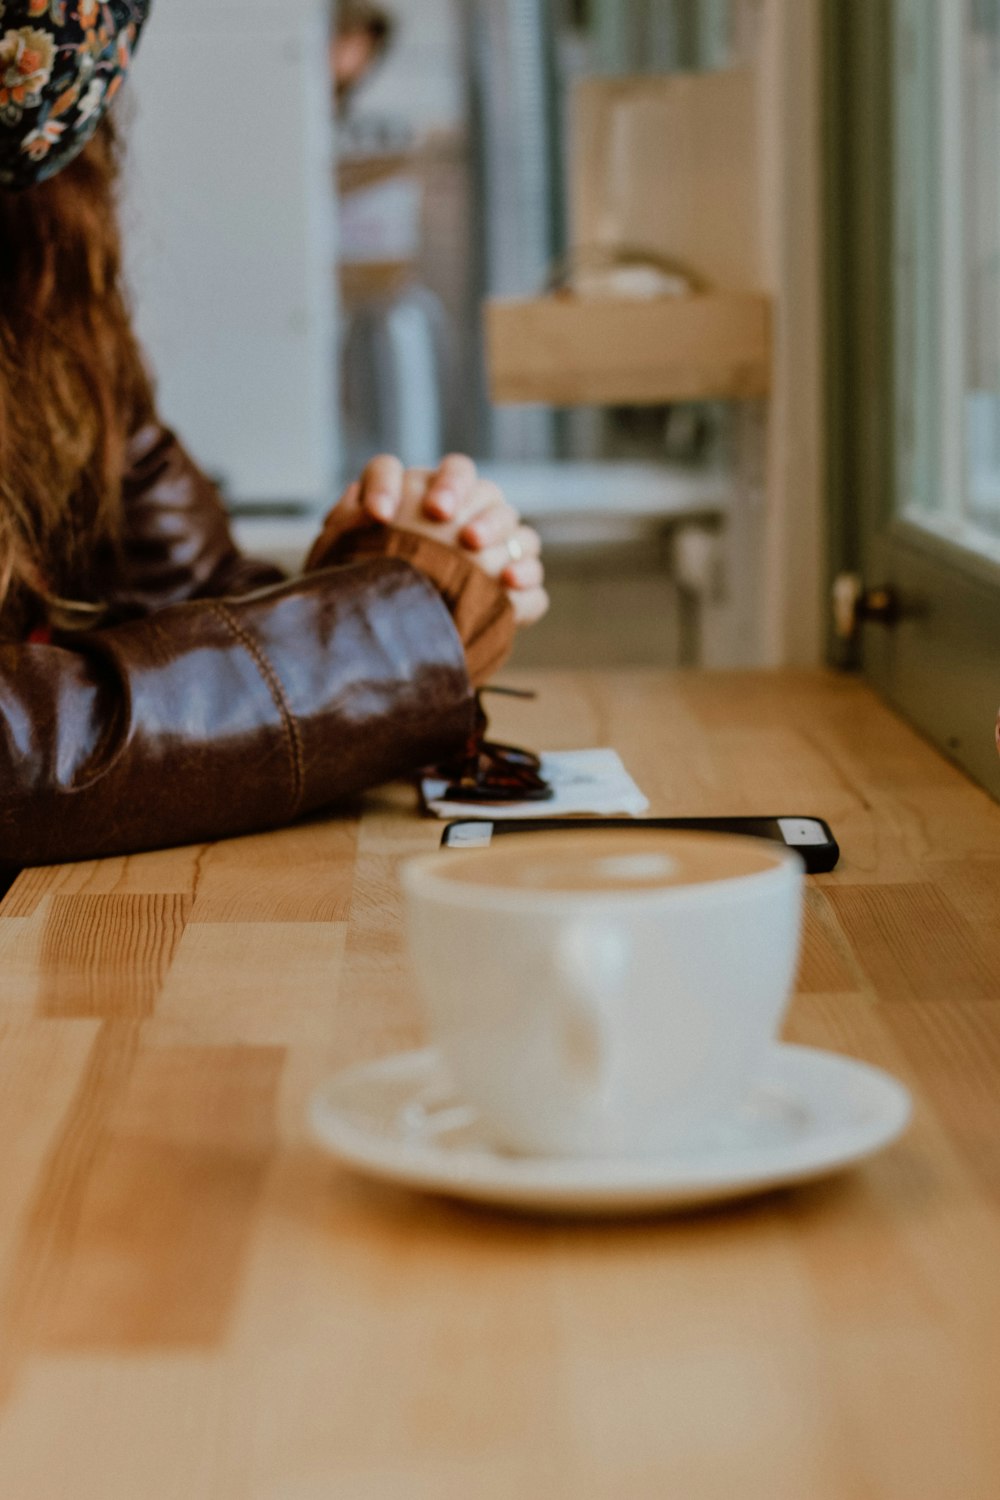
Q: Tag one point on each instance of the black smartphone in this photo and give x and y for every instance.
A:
(809, 837)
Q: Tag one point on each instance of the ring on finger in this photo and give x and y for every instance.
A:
(515, 549)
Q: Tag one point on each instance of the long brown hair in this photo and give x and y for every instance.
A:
(72, 381)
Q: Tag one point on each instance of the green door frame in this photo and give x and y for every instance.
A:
(858, 162)
(940, 664)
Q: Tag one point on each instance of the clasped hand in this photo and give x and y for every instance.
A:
(453, 505)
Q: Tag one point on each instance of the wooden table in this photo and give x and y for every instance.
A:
(198, 1304)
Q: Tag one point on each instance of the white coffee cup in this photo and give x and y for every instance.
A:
(605, 994)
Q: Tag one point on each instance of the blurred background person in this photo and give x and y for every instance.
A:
(361, 35)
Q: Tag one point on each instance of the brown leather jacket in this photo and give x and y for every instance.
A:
(213, 697)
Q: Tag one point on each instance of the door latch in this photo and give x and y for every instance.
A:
(855, 605)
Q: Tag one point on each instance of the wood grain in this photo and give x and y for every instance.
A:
(162, 1232)
(197, 1304)
(217, 994)
(951, 961)
(827, 964)
(172, 872)
(574, 351)
(300, 874)
(41, 1066)
(37, 1272)
(108, 955)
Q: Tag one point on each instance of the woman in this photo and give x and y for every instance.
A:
(155, 686)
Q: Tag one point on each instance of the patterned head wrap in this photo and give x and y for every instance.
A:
(61, 64)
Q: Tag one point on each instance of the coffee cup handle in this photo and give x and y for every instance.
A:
(591, 964)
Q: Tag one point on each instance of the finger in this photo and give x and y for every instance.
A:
(349, 502)
(345, 516)
(417, 481)
(529, 573)
(382, 488)
(522, 543)
(493, 520)
(452, 488)
(523, 571)
(530, 606)
(415, 485)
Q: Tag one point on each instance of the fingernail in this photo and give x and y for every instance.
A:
(475, 536)
(382, 506)
(444, 502)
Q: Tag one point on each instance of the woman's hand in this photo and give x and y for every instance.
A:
(454, 506)
(447, 492)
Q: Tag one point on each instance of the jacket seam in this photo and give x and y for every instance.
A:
(292, 732)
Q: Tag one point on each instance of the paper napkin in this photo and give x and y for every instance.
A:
(584, 781)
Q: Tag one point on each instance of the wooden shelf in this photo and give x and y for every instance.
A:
(568, 351)
(370, 281)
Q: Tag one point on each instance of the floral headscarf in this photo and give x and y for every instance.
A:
(61, 64)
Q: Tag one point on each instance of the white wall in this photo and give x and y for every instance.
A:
(229, 228)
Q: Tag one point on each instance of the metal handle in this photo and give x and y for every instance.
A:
(854, 605)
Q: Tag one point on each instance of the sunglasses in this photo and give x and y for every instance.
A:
(487, 771)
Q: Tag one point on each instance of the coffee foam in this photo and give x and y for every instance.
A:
(610, 861)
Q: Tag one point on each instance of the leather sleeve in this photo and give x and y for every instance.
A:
(479, 606)
(220, 717)
(176, 544)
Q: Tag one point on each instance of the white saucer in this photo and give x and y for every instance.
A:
(814, 1113)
